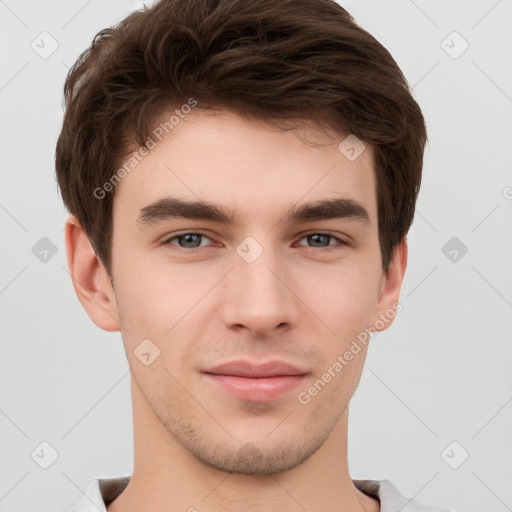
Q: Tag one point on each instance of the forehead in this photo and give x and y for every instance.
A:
(248, 165)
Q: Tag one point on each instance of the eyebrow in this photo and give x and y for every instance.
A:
(172, 207)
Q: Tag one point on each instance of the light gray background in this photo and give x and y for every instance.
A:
(440, 374)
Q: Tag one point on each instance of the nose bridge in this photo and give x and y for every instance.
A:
(258, 297)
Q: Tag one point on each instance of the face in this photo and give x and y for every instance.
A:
(255, 279)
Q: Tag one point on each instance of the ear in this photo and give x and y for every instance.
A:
(389, 289)
(90, 278)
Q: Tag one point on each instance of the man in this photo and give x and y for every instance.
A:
(241, 176)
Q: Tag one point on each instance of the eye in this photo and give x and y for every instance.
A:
(188, 240)
(319, 240)
(192, 240)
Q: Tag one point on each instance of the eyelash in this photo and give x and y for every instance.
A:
(320, 249)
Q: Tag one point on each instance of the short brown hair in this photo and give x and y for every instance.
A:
(274, 60)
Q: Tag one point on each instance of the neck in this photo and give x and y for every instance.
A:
(166, 476)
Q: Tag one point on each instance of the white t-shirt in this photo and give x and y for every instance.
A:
(103, 491)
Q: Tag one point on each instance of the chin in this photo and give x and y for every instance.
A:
(258, 457)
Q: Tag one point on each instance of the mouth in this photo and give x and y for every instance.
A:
(255, 382)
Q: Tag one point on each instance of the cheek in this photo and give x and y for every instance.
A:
(343, 297)
(143, 308)
(155, 301)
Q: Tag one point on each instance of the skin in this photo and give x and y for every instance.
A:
(196, 445)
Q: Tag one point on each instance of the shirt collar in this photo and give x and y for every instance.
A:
(102, 491)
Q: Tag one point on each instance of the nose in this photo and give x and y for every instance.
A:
(260, 295)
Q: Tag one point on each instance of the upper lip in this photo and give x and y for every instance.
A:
(255, 370)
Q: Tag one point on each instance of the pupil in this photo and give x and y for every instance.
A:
(317, 237)
(190, 238)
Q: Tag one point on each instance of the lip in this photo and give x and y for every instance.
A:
(256, 370)
(256, 382)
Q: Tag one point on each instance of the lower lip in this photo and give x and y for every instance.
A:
(259, 390)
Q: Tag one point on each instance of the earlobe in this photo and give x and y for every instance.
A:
(390, 286)
(90, 279)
